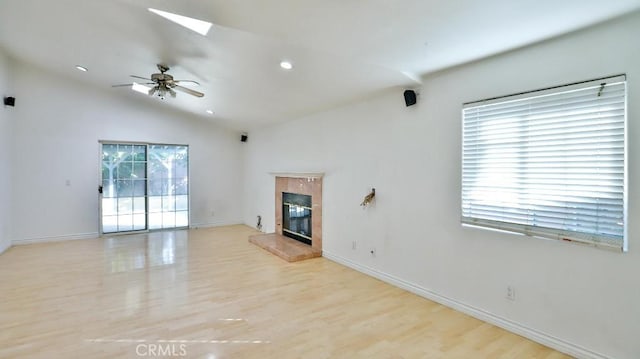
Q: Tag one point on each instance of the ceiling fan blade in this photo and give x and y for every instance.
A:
(140, 77)
(189, 81)
(131, 84)
(189, 91)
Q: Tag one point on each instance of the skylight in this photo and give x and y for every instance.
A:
(199, 26)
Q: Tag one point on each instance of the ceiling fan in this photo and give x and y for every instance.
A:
(163, 84)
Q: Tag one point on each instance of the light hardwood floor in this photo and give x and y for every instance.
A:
(208, 293)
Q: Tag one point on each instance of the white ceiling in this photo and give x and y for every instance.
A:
(342, 50)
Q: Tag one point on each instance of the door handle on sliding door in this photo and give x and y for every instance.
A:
(100, 189)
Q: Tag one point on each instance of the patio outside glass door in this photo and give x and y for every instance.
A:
(144, 186)
(168, 168)
(124, 187)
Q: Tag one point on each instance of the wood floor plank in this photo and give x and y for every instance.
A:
(214, 295)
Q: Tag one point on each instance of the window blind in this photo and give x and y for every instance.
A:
(549, 163)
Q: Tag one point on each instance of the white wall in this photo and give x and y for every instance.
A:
(57, 126)
(6, 114)
(578, 298)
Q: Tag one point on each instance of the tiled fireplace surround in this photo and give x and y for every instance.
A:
(287, 248)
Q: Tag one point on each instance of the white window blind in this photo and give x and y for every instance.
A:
(549, 163)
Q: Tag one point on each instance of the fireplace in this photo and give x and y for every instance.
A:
(297, 217)
(298, 209)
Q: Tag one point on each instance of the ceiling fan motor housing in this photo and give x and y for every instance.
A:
(161, 78)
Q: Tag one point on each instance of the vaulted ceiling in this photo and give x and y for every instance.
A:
(341, 50)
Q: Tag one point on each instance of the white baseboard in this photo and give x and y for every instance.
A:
(67, 237)
(530, 333)
(214, 224)
(92, 235)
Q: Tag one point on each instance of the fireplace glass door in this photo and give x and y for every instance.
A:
(297, 217)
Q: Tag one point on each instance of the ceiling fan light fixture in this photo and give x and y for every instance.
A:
(162, 84)
(199, 26)
(140, 88)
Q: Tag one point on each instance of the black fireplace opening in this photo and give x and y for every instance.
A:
(296, 217)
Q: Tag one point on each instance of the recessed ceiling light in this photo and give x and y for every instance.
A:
(199, 26)
(210, 112)
(81, 68)
(286, 65)
(140, 88)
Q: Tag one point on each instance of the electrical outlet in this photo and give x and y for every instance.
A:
(354, 245)
(511, 293)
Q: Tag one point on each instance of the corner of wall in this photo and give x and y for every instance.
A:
(4, 245)
(6, 148)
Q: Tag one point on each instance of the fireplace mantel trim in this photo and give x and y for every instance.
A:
(298, 174)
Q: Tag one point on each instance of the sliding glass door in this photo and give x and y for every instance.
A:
(124, 169)
(144, 186)
(168, 186)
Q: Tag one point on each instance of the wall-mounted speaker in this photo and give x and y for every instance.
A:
(244, 137)
(10, 101)
(409, 97)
